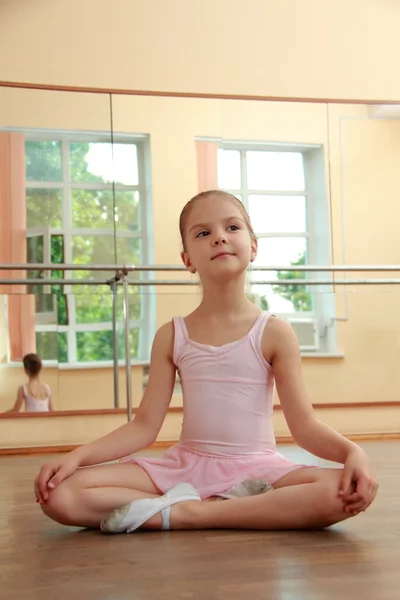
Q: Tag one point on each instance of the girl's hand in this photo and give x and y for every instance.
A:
(52, 474)
(357, 473)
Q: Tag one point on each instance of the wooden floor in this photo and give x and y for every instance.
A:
(42, 560)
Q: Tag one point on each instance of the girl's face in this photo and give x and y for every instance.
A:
(217, 242)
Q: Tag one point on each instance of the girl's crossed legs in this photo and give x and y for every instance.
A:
(304, 499)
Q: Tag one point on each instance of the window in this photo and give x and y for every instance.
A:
(283, 189)
(86, 203)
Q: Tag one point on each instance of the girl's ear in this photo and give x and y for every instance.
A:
(187, 263)
(253, 251)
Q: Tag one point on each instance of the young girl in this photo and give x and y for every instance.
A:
(35, 393)
(228, 355)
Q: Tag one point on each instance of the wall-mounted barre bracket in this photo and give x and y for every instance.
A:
(113, 283)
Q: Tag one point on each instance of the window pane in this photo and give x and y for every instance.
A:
(93, 307)
(283, 299)
(43, 207)
(62, 309)
(129, 251)
(102, 162)
(134, 343)
(43, 161)
(135, 304)
(274, 214)
(280, 251)
(51, 345)
(276, 297)
(35, 249)
(57, 257)
(229, 175)
(35, 254)
(57, 249)
(281, 171)
(99, 249)
(46, 304)
(95, 346)
(94, 209)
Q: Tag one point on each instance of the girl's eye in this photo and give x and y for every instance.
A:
(233, 227)
(202, 234)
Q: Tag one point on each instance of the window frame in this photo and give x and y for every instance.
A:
(318, 241)
(145, 323)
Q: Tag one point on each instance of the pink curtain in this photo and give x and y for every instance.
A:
(21, 307)
(207, 166)
(21, 320)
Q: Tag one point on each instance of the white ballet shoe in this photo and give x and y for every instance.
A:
(248, 487)
(131, 516)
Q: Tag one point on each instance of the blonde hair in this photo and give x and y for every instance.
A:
(218, 194)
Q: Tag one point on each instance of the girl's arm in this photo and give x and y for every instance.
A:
(18, 402)
(142, 431)
(281, 348)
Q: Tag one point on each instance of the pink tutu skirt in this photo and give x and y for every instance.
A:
(212, 475)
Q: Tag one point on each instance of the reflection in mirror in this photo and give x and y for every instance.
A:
(56, 149)
(35, 394)
(77, 356)
(29, 357)
(79, 198)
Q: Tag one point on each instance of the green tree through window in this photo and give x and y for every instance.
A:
(298, 295)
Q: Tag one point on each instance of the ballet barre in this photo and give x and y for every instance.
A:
(163, 268)
(191, 282)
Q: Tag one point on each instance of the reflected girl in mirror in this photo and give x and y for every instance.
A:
(35, 394)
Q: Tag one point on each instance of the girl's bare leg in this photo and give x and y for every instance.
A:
(86, 497)
(304, 499)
